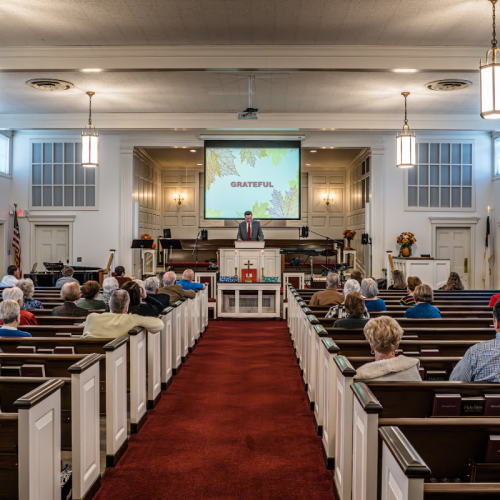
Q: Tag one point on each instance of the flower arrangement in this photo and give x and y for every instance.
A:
(349, 235)
(405, 240)
(146, 236)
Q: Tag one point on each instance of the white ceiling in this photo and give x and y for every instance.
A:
(244, 22)
(207, 92)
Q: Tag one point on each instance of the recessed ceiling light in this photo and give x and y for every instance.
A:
(313, 151)
(405, 70)
(91, 70)
(308, 164)
(193, 150)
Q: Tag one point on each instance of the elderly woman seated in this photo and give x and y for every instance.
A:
(109, 285)
(10, 314)
(28, 289)
(26, 318)
(90, 300)
(70, 293)
(141, 303)
(369, 290)
(384, 335)
(423, 297)
(351, 286)
(355, 307)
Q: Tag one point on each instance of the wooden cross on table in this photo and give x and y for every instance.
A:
(248, 279)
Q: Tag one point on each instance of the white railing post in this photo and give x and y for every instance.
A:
(154, 368)
(166, 347)
(85, 425)
(138, 397)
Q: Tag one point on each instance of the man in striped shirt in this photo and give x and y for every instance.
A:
(481, 362)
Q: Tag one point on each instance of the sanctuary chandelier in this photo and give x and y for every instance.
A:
(405, 143)
(90, 140)
(490, 78)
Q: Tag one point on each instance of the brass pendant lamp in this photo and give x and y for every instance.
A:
(405, 143)
(90, 141)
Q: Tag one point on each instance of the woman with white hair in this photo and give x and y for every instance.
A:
(10, 314)
(369, 290)
(28, 289)
(351, 286)
(109, 285)
(16, 295)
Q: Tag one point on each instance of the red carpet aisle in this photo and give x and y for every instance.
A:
(234, 424)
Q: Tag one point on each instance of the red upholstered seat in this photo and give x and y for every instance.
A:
(211, 300)
(285, 300)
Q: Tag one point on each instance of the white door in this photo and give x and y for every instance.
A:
(52, 244)
(454, 243)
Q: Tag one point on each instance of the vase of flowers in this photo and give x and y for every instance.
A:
(405, 242)
(349, 235)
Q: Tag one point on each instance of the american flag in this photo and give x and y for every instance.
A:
(16, 242)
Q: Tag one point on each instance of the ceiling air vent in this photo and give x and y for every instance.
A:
(50, 85)
(448, 85)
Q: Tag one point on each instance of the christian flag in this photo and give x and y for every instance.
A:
(16, 242)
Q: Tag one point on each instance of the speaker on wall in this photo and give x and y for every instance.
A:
(167, 233)
(305, 232)
(204, 234)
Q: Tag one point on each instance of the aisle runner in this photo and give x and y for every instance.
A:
(234, 424)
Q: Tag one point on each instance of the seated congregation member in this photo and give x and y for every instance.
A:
(118, 321)
(67, 277)
(152, 284)
(412, 283)
(351, 286)
(329, 297)
(28, 288)
(12, 276)
(187, 281)
(384, 335)
(355, 308)
(454, 282)
(10, 314)
(494, 299)
(119, 274)
(398, 281)
(423, 295)
(140, 302)
(90, 300)
(175, 291)
(16, 295)
(70, 293)
(481, 362)
(356, 275)
(109, 285)
(369, 290)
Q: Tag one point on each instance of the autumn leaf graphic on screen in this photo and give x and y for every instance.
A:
(284, 206)
(220, 163)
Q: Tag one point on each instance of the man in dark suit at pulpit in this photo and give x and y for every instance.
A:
(249, 229)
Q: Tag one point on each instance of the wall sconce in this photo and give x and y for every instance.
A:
(178, 198)
(327, 198)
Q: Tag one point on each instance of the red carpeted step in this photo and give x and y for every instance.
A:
(234, 424)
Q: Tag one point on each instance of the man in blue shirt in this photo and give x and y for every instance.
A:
(187, 281)
(10, 314)
(481, 362)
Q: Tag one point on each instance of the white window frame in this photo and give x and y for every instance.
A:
(8, 135)
(496, 154)
(59, 209)
(443, 140)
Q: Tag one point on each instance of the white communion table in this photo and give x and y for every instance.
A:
(248, 300)
(432, 272)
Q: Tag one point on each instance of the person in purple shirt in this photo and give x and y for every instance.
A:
(10, 314)
(187, 281)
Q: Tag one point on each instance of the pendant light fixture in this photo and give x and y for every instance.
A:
(405, 143)
(90, 140)
(490, 78)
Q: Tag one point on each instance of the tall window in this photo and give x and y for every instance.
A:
(443, 177)
(4, 155)
(359, 189)
(58, 179)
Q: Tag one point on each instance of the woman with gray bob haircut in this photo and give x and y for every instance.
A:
(28, 289)
(351, 286)
(109, 285)
(10, 314)
(369, 290)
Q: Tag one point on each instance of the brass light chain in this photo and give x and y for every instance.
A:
(90, 94)
(494, 41)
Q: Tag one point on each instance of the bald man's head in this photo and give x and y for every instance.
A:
(169, 278)
(188, 275)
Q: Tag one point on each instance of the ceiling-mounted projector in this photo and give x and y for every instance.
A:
(250, 113)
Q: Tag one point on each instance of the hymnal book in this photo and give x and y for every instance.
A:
(473, 406)
(492, 407)
(422, 373)
(446, 405)
(63, 334)
(64, 350)
(26, 349)
(429, 352)
(410, 337)
(11, 371)
(32, 370)
(493, 450)
(436, 375)
(45, 351)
